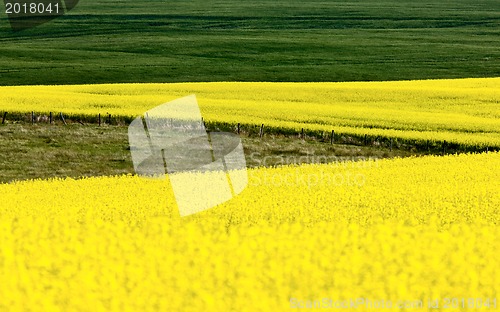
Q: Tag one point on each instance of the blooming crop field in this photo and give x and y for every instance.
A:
(414, 229)
(464, 111)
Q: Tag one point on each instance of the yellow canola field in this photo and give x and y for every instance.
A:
(402, 230)
(464, 111)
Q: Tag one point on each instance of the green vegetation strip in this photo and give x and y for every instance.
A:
(48, 151)
(104, 41)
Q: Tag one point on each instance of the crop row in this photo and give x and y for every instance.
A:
(461, 111)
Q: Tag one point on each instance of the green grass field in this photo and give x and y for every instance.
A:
(280, 40)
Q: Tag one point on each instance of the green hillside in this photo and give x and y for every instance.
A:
(269, 40)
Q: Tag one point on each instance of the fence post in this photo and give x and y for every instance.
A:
(262, 130)
(50, 117)
(4, 116)
(332, 139)
(99, 119)
(32, 118)
(302, 134)
(366, 140)
(391, 144)
(238, 128)
(62, 118)
(444, 147)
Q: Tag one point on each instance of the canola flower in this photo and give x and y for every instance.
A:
(464, 111)
(401, 229)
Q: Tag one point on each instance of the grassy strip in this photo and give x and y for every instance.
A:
(252, 130)
(47, 151)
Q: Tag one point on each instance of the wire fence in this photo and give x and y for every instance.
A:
(332, 137)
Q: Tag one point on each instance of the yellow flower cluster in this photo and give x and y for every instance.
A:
(403, 231)
(462, 110)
